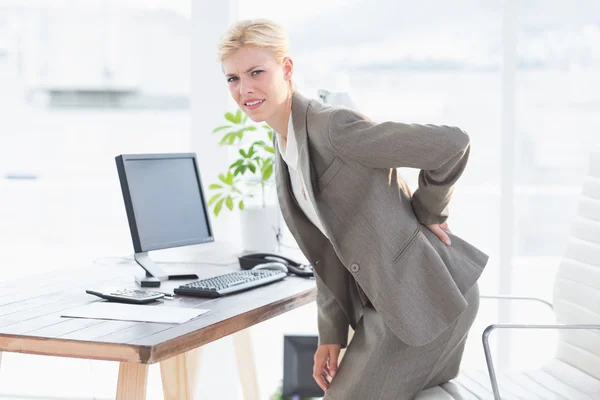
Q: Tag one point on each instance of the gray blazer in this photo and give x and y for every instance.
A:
(377, 231)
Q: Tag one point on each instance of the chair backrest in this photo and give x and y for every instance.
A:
(577, 287)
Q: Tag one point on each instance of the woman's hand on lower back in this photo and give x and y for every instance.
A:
(439, 229)
(325, 364)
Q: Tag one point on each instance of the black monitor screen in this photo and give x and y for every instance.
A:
(164, 200)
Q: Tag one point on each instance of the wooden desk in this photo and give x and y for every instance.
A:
(31, 322)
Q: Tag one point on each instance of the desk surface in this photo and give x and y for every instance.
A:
(31, 322)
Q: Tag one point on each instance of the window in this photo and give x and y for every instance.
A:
(83, 82)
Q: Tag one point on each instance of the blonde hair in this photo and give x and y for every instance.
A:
(261, 33)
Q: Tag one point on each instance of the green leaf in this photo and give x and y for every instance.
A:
(237, 163)
(229, 178)
(243, 153)
(215, 186)
(267, 172)
(230, 117)
(238, 116)
(271, 136)
(251, 152)
(214, 198)
(269, 149)
(223, 179)
(240, 170)
(241, 204)
(229, 202)
(252, 168)
(239, 133)
(220, 128)
(218, 206)
(267, 127)
(228, 138)
(245, 119)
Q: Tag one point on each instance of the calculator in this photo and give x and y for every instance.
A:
(132, 296)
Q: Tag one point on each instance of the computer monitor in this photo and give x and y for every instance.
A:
(165, 207)
(298, 356)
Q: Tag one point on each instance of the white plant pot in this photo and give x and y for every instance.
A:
(259, 228)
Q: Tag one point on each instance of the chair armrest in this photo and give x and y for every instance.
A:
(509, 297)
(491, 328)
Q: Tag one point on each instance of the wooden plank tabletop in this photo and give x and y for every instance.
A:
(31, 308)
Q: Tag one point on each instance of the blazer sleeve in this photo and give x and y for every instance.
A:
(332, 320)
(440, 152)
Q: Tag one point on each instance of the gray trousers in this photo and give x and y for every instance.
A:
(378, 366)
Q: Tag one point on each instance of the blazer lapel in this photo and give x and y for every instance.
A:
(300, 106)
(299, 112)
(283, 183)
(305, 233)
(296, 220)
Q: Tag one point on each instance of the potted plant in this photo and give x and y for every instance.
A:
(248, 181)
(279, 396)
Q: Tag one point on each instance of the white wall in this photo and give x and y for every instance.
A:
(210, 101)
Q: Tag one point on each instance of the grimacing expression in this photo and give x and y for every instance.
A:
(258, 83)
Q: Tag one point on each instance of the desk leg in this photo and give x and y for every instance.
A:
(194, 362)
(175, 378)
(242, 343)
(132, 381)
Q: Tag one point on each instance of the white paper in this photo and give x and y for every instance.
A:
(134, 312)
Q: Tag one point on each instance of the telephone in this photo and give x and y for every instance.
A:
(249, 261)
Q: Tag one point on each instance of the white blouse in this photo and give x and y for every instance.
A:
(289, 153)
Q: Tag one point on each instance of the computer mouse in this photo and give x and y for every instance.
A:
(276, 266)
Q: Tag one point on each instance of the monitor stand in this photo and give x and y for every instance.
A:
(155, 274)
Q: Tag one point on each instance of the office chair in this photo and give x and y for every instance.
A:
(574, 372)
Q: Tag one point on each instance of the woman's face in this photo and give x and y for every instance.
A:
(258, 83)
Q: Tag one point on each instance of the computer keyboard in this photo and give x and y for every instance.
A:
(230, 283)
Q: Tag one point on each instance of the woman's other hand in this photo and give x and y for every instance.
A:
(326, 363)
(439, 229)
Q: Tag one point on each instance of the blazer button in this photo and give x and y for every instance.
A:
(354, 267)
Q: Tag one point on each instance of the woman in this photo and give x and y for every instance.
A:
(385, 262)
